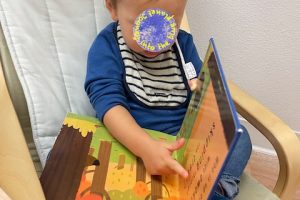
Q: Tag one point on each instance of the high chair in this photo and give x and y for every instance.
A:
(43, 49)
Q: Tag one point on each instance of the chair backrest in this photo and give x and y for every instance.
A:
(48, 42)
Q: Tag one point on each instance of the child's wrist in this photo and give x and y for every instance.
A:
(143, 147)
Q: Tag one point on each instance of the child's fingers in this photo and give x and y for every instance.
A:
(195, 84)
(192, 84)
(176, 145)
(177, 168)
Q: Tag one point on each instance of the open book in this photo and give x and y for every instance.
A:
(86, 162)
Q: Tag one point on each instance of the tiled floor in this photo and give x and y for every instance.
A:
(265, 169)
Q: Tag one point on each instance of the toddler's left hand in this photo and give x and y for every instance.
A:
(194, 84)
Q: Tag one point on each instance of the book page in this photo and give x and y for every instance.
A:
(121, 175)
(208, 129)
(86, 162)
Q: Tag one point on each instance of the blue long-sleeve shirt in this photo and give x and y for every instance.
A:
(106, 86)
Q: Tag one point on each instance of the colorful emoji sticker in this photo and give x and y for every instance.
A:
(155, 30)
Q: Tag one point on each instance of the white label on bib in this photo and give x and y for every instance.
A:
(189, 71)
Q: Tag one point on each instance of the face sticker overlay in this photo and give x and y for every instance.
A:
(155, 30)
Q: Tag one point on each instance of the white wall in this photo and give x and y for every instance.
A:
(259, 45)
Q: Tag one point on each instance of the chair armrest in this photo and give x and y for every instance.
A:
(3, 195)
(17, 173)
(282, 137)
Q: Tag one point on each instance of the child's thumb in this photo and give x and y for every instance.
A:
(176, 145)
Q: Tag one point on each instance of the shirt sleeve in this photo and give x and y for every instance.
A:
(104, 78)
(189, 50)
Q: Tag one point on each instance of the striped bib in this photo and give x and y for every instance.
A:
(156, 82)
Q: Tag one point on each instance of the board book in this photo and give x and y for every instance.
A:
(87, 163)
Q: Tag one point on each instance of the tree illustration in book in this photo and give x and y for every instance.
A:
(99, 166)
(87, 163)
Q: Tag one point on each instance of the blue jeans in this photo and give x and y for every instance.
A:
(228, 185)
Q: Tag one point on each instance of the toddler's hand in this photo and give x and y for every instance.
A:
(194, 84)
(158, 159)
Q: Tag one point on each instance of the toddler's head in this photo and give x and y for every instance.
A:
(126, 12)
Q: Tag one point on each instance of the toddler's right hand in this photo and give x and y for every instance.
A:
(157, 158)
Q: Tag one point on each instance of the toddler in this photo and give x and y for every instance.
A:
(132, 88)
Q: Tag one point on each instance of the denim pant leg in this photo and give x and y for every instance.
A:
(234, 168)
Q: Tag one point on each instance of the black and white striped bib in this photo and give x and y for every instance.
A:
(156, 82)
